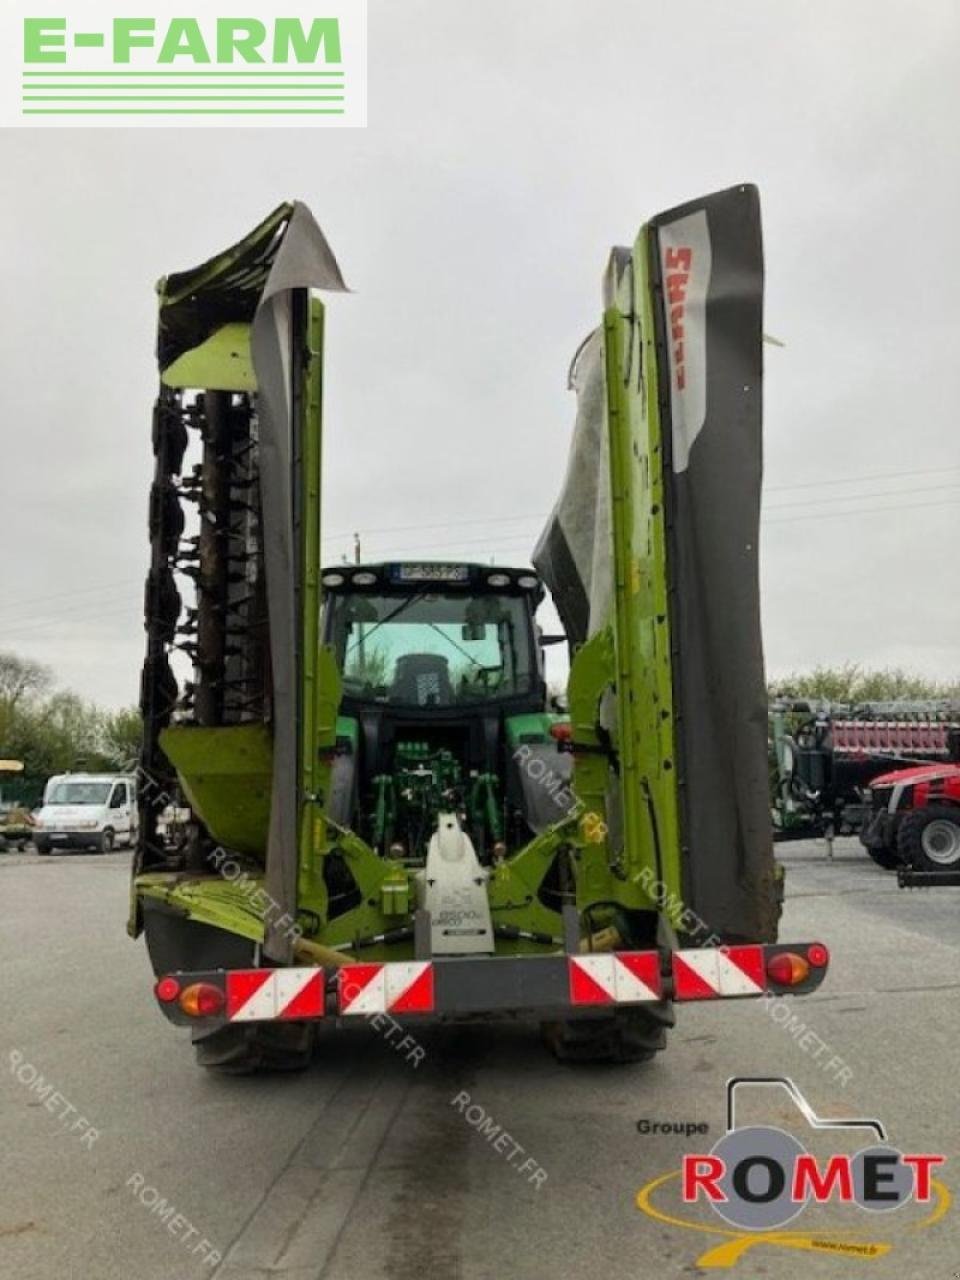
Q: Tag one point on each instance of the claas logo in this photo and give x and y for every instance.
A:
(759, 1178)
(679, 264)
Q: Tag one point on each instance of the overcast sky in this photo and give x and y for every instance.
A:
(509, 146)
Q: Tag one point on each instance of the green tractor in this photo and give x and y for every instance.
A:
(389, 817)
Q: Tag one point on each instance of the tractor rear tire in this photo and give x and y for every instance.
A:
(885, 857)
(632, 1034)
(243, 1051)
(929, 839)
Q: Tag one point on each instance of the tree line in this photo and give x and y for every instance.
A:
(853, 683)
(54, 730)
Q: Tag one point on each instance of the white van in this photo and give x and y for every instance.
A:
(87, 810)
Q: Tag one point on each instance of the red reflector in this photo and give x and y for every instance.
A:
(562, 732)
(202, 999)
(818, 955)
(787, 969)
(167, 990)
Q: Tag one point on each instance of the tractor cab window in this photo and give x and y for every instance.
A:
(78, 793)
(431, 649)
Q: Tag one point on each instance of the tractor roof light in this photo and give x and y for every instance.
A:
(363, 579)
(562, 731)
(332, 579)
(788, 969)
(167, 990)
(498, 580)
(528, 582)
(202, 1000)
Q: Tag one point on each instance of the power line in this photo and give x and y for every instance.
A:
(77, 612)
(72, 609)
(496, 520)
(809, 484)
(78, 591)
(503, 547)
(862, 497)
(498, 549)
(115, 611)
(490, 520)
(865, 511)
(877, 475)
(413, 549)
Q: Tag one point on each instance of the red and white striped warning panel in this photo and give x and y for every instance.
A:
(398, 987)
(491, 984)
(623, 977)
(264, 995)
(726, 971)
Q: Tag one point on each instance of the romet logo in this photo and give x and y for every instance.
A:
(102, 64)
(759, 1178)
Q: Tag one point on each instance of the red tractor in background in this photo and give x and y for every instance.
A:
(914, 826)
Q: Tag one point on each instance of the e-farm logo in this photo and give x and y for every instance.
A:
(102, 62)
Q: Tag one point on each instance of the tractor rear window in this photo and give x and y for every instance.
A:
(431, 648)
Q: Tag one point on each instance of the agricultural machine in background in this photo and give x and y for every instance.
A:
(385, 814)
(16, 819)
(914, 823)
(825, 756)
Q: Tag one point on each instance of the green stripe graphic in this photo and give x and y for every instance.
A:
(264, 74)
(174, 97)
(148, 86)
(253, 85)
(183, 111)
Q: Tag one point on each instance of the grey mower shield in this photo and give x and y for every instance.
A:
(707, 283)
(304, 260)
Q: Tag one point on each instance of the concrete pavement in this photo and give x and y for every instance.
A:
(368, 1167)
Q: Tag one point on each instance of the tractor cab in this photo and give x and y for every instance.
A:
(441, 668)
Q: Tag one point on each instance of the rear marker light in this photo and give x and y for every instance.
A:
(818, 955)
(562, 731)
(202, 1000)
(788, 969)
(167, 990)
